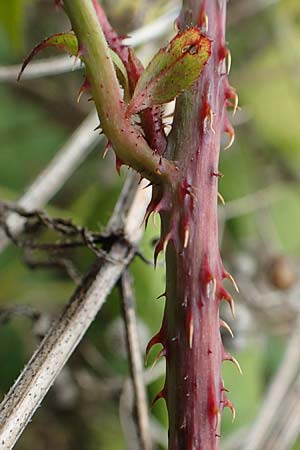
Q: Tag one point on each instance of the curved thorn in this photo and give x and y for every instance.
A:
(218, 420)
(211, 115)
(237, 364)
(228, 56)
(158, 396)
(231, 141)
(230, 302)
(166, 241)
(159, 355)
(154, 219)
(205, 20)
(156, 339)
(214, 287)
(191, 333)
(228, 404)
(236, 103)
(107, 148)
(227, 327)
(228, 357)
(221, 198)
(186, 237)
(230, 277)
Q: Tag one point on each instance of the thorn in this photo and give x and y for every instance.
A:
(79, 94)
(159, 247)
(228, 56)
(227, 327)
(166, 241)
(228, 357)
(221, 198)
(211, 115)
(205, 21)
(232, 138)
(159, 355)
(107, 147)
(228, 404)
(224, 294)
(161, 295)
(98, 127)
(154, 219)
(160, 395)
(211, 287)
(218, 420)
(156, 339)
(236, 363)
(217, 174)
(230, 277)
(231, 305)
(231, 94)
(191, 333)
(236, 104)
(214, 286)
(186, 237)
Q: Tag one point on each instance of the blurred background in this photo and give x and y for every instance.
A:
(259, 232)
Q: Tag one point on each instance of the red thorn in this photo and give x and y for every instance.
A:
(156, 339)
(230, 131)
(205, 110)
(230, 277)
(217, 174)
(223, 294)
(223, 389)
(222, 53)
(161, 394)
(228, 404)
(158, 248)
(84, 87)
(161, 246)
(160, 354)
(119, 163)
(213, 408)
(231, 94)
(228, 357)
(107, 148)
(154, 206)
(190, 329)
(203, 20)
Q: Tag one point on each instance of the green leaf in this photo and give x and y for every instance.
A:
(68, 43)
(172, 70)
(63, 41)
(120, 72)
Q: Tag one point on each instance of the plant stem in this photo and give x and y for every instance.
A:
(190, 332)
(128, 143)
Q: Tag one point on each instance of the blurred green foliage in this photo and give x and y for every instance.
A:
(266, 53)
(12, 19)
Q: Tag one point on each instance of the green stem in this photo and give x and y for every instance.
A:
(128, 143)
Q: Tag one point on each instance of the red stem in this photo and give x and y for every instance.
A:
(190, 334)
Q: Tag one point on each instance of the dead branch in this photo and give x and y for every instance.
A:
(63, 337)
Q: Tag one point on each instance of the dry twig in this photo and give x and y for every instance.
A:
(41, 371)
(135, 360)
